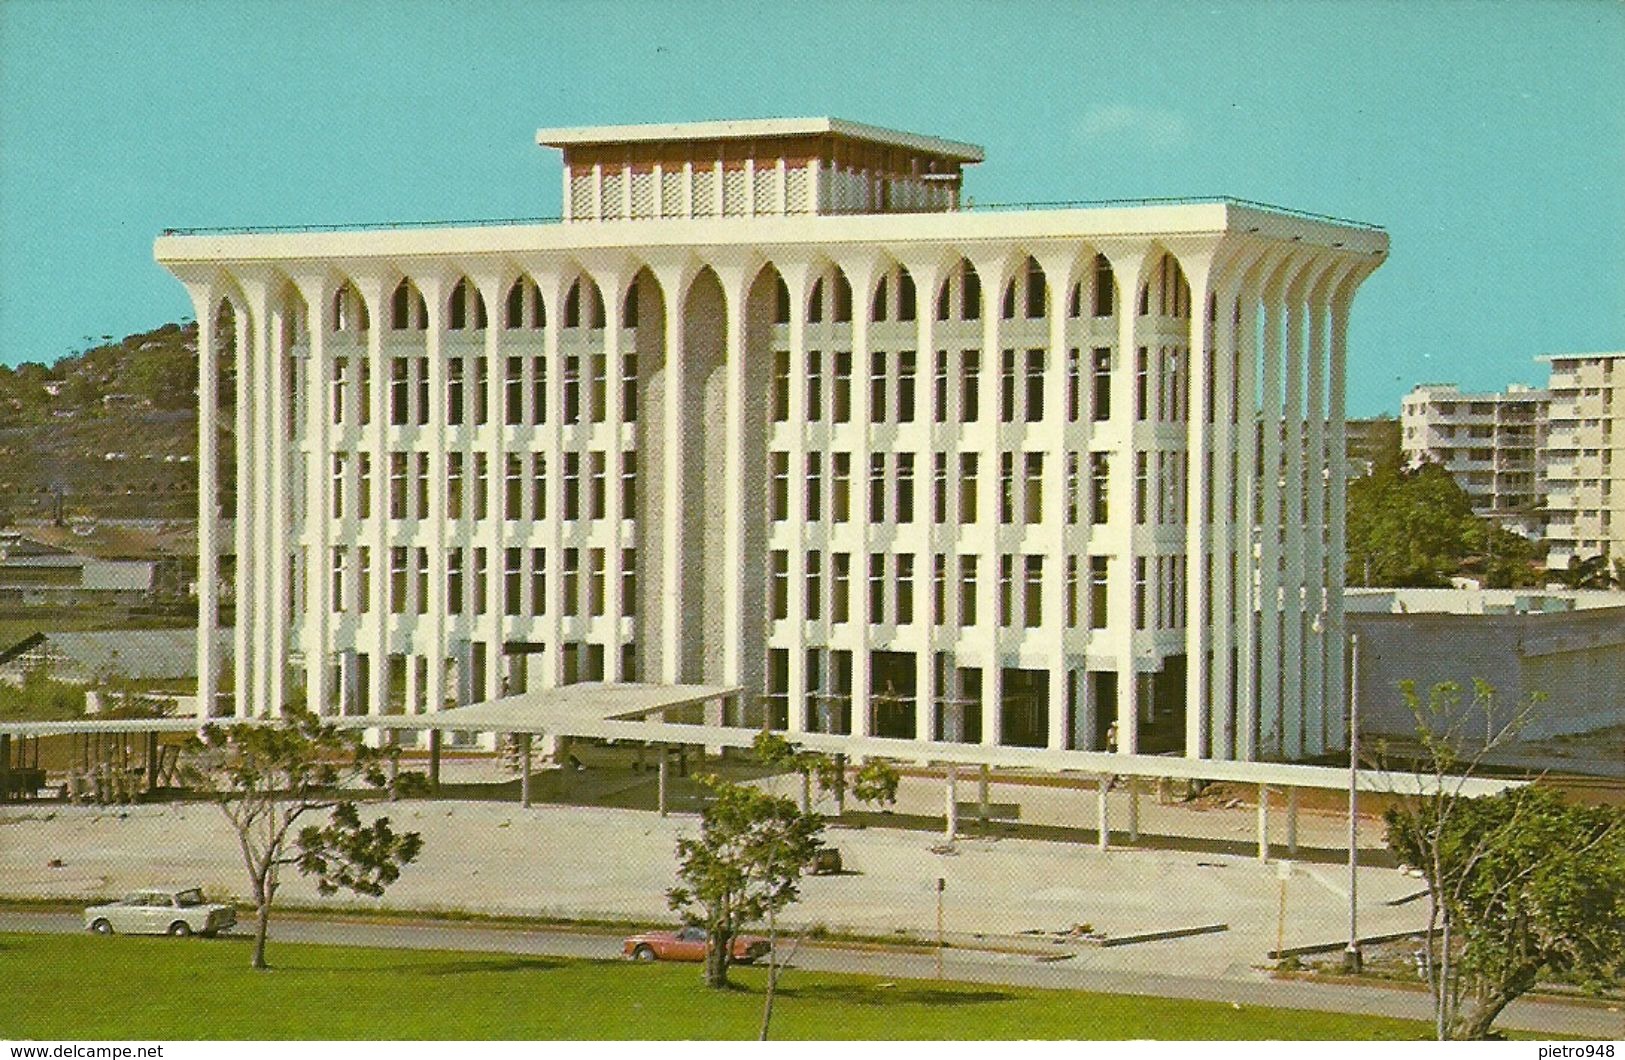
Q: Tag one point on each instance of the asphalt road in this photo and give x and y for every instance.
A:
(965, 965)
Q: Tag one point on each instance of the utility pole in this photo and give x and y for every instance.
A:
(1352, 960)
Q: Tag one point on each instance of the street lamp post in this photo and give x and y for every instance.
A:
(1351, 955)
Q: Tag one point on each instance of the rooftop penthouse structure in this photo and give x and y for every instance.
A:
(769, 410)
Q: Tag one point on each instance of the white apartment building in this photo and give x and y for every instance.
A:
(767, 410)
(1585, 458)
(1490, 444)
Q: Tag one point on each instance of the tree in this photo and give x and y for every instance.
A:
(269, 779)
(1589, 572)
(1500, 894)
(745, 864)
(1417, 529)
(874, 782)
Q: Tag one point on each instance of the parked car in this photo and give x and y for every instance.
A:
(689, 944)
(826, 861)
(161, 911)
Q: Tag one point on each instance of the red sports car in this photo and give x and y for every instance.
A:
(689, 944)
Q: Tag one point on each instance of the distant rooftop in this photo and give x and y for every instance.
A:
(756, 129)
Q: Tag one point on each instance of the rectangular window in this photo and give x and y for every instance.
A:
(905, 387)
(454, 485)
(572, 485)
(939, 488)
(454, 391)
(572, 389)
(1099, 567)
(363, 493)
(400, 391)
(538, 486)
(903, 589)
(840, 587)
(397, 485)
(513, 391)
(420, 369)
(815, 386)
(420, 484)
(1032, 503)
(339, 602)
(781, 387)
(967, 487)
(814, 585)
(1074, 386)
(1101, 399)
(538, 581)
(1072, 489)
(600, 388)
(905, 487)
(629, 582)
(1007, 578)
(779, 497)
(1139, 592)
(780, 595)
(1071, 592)
(341, 368)
(1141, 484)
(842, 412)
(513, 488)
(454, 581)
(595, 581)
(482, 485)
(598, 496)
(339, 475)
(815, 487)
(877, 588)
(1007, 488)
(479, 583)
(629, 484)
(1032, 596)
(939, 589)
(840, 492)
(538, 390)
(877, 387)
(939, 388)
(1007, 387)
(422, 560)
(629, 386)
(482, 392)
(1035, 386)
(364, 397)
(967, 590)
(1105, 287)
(877, 487)
(363, 579)
(1099, 478)
(1141, 383)
(970, 301)
(571, 585)
(513, 580)
(970, 385)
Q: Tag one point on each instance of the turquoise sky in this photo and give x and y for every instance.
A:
(1489, 138)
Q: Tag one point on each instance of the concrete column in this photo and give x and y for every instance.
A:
(1316, 730)
(988, 538)
(524, 769)
(1221, 725)
(1199, 694)
(1133, 811)
(674, 282)
(434, 761)
(278, 545)
(374, 627)
(204, 307)
(434, 295)
(1128, 263)
(1246, 602)
(840, 787)
(663, 779)
(1292, 822)
(1102, 813)
(983, 785)
(243, 660)
(1271, 735)
(490, 289)
(862, 274)
(952, 810)
(1292, 520)
(1060, 271)
(317, 292)
(797, 277)
(1263, 823)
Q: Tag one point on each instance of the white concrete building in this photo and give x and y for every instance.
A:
(1490, 444)
(766, 410)
(1585, 459)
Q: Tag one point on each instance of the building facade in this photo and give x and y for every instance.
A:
(1490, 444)
(1585, 459)
(766, 409)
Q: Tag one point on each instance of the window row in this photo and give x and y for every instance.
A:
(522, 492)
(521, 589)
(584, 390)
(465, 310)
(952, 595)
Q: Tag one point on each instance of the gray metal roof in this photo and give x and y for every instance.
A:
(148, 654)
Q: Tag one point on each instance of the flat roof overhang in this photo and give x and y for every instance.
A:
(755, 129)
(623, 712)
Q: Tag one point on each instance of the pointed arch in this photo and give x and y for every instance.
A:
(524, 308)
(407, 309)
(347, 310)
(465, 307)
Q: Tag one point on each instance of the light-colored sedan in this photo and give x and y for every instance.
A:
(161, 911)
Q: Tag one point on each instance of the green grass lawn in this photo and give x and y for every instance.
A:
(74, 986)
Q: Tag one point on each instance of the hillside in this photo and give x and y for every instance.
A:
(112, 430)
